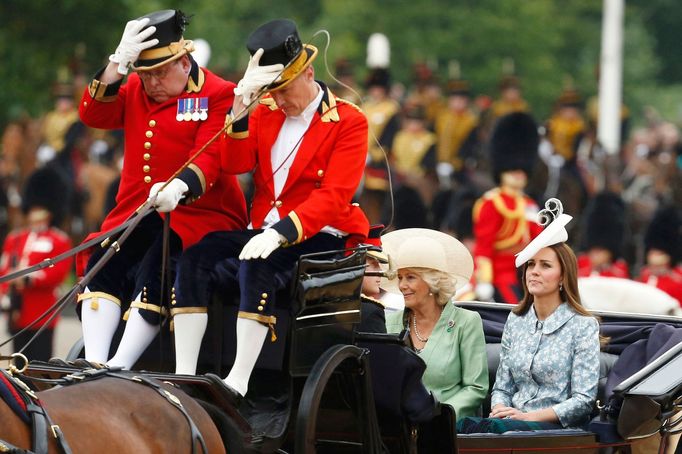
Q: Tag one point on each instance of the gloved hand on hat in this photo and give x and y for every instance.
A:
(256, 77)
(170, 196)
(132, 43)
(262, 245)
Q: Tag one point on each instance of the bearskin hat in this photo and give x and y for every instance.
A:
(47, 188)
(665, 233)
(514, 144)
(604, 223)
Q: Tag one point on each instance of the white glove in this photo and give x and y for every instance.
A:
(256, 77)
(444, 171)
(132, 43)
(262, 245)
(484, 291)
(168, 198)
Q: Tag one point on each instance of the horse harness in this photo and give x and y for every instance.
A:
(40, 420)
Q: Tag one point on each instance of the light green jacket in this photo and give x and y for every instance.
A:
(455, 357)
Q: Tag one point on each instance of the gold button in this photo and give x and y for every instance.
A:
(147, 179)
(260, 308)
(85, 103)
(263, 302)
(152, 123)
(147, 145)
(173, 302)
(149, 134)
(146, 156)
(264, 295)
(144, 300)
(320, 173)
(146, 169)
(278, 203)
(272, 203)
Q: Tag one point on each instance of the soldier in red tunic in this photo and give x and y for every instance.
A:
(504, 217)
(663, 248)
(307, 150)
(603, 236)
(29, 297)
(169, 108)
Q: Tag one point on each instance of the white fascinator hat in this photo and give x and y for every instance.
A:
(554, 220)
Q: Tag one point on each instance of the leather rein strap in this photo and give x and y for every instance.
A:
(40, 422)
(93, 374)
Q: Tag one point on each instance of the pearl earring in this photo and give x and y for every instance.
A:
(561, 286)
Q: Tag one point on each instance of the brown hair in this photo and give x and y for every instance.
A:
(569, 279)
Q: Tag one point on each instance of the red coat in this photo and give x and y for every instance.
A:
(670, 282)
(323, 178)
(26, 248)
(503, 225)
(157, 144)
(619, 268)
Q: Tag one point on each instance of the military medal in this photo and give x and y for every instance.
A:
(181, 110)
(203, 108)
(188, 109)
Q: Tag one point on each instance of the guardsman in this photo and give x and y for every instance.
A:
(603, 237)
(307, 150)
(44, 204)
(169, 108)
(663, 249)
(457, 132)
(504, 217)
(383, 117)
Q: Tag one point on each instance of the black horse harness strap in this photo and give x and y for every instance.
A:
(40, 421)
(93, 374)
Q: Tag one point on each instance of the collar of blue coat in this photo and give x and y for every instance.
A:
(556, 320)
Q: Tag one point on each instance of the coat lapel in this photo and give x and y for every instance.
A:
(325, 119)
(270, 126)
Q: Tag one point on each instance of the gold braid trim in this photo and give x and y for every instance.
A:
(269, 320)
(188, 310)
(94, 296)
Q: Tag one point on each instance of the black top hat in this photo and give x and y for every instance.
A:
(281, 44)
(378, 77)
(514, 144)
(665, 233)
(47, 188)
(604, 223)
(170, 25)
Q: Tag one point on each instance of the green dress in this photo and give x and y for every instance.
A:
(455, 357)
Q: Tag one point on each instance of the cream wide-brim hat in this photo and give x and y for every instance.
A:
(426, 248)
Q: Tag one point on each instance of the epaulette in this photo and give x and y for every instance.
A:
(349, 103)
(270, 102)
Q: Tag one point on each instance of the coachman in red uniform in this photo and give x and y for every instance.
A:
(307, 149)
(169, 108)
(29, 297)
(504, 217)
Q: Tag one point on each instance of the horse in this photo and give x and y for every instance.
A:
(117, 412)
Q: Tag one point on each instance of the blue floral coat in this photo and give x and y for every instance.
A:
(551, 363)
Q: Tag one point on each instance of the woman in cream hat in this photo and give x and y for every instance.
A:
(432, 266)
(549, 362)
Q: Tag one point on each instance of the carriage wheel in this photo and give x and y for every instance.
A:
(315, 384)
